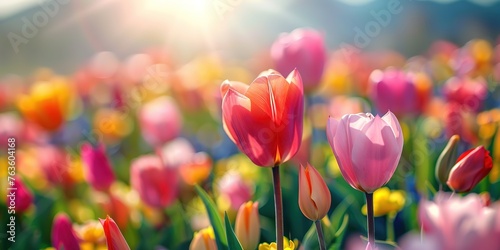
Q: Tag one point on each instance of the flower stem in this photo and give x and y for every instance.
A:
(278, 207)
(390, 227)
(370, 220)
(321, 238)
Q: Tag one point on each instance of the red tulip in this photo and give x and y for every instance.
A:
(468, 93)
(303, 49)
(114, 237)
(367, 148)
(63, 235)
(155, 183)
(314, 195)
(19, 199)
(265, 118)
(99, 172)
(471, 167)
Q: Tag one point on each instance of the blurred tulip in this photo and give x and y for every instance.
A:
(114, 237)
(288, 245)
(471, 167)
(447, 159)
(197, 170)
(56, 165)
(304, 50)
(177, 152)
(386, 201)
(400, 92)
(233, 190)
(10, 126)
(48, 104)
(265, 119)
(204, 240)
(112, 125)
(99, 172)
(21, 197)
(247, 226)
(91, 235)
(160, 121)
(155, 183)
(63, 235)
(460, 223)
(314, 195)
(469, 93)
(367, 148)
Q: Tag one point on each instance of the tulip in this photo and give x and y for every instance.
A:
(56, 165)
(247, 227)
(367, 148)
(47, 104)
(460, 222)
(197, 169)
(400, 92)
(63, 236)
(233, 189)
(469, 93)
(114, 237)
(204, 240)
(160, 121)
(112, 125)
(446, 159)
(99, 171)
(155, 183)
(265, 119)
(471, 167)
(303, 49)
(91, 234)
(22, 198)
(10, 126)
(314, 195)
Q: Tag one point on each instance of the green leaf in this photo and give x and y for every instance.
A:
(232, 240)
(310, 240)
(214, 217)
(339, 235)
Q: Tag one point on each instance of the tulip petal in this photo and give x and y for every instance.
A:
(393, 123)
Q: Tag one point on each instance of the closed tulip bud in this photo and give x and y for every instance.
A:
(303, 49)
(264, 119)
(63, 236)
(155, 183)
(471, 167)
(367, 148)
(247, 227)
(160, 121)
(99, 172)
(114, 237)
(447, 159)
(204, 240)
(314, 195)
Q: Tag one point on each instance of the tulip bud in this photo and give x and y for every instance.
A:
(204, 240)
(471, 167)
(21, 196)
(99, 172)
(447, 159)
(314, 195)
(114, 237)
(247, 226)
(63, 236)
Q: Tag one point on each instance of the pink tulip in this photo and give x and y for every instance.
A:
(160, 121)
(265, 119)
(63, 235)
(234, 189)
(367, 148)
(469, 93)
(99, 172)
(460, 223)
(303, 49)
(400, 92)
(471, 167)
(314, 195)
(55, 164)
(114, 237)
(10, 126)
(155, 183)
(21, 198)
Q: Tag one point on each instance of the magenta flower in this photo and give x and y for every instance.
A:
(466, 92)
(160, 121)
(99, 172)
(22, 197)
(303, 49)
(155, 183)
(63, 235)
(367, 148)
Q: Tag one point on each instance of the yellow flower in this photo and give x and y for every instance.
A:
(288, 245)
(386, 201)
(112, 125)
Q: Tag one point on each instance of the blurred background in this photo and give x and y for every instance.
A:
(68, 32)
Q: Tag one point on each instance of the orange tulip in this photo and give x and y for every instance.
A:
(247, 227)
(204, 240)
(314, 195)
(265, 118)
(114, 237)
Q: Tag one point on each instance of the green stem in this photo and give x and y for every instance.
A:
(321, 238)
(278, 207)
(370, 219)
(390, 227)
